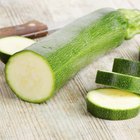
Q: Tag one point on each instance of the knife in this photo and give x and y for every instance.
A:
(32, 29)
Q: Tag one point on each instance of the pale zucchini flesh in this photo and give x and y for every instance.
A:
(113, 104)
(35, 84)
(13, 44)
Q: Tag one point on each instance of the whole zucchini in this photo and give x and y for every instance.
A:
(36, 73)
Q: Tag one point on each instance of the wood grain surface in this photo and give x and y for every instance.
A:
(64, 117)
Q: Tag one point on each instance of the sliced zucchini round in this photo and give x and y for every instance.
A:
(11, 45)
(120, 81)
(125, 66)
(34, 81)
(113, 104)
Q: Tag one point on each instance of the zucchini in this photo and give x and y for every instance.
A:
(39, 71)
(120, 81)
(113, 104)
(11, 45)
(125, 66)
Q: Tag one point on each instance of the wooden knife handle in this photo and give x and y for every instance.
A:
(31, 29)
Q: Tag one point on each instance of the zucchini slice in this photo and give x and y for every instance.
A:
(120, 81)
(11, 45)
(113, 104)
(125, 66)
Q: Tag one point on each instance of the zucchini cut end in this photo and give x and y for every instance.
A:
(30, 77)
(113, 104)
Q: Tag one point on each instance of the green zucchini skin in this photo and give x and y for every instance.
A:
(79, 43)
(4, 57)
(119, 81)
(125, 66)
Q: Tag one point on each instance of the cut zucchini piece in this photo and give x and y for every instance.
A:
(125, 66)
(68, 50)
(11, 45)
(113, 104)
(30, 83)
(120, 81)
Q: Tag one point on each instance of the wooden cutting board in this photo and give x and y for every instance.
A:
(65, 116)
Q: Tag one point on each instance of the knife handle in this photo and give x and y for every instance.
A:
(32, 29)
